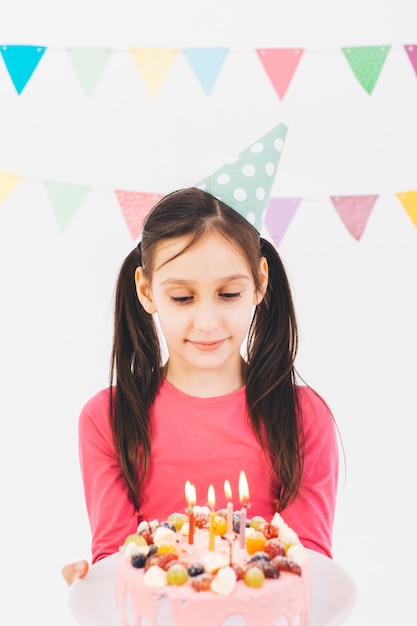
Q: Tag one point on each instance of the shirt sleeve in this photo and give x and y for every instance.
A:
(111, 513)
(311, 514)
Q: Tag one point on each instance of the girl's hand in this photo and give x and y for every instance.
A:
(72, 571)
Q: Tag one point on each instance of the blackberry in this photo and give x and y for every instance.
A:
(259, 556)
(138, 560)
(195, 569)
(169, 525)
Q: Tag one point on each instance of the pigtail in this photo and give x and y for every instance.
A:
(136, 366)
(271, 391)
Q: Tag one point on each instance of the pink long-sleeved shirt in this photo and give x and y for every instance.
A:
(205, 441)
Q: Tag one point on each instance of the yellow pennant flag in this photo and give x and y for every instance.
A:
(7, 183)
(153, 65)
(409, 201)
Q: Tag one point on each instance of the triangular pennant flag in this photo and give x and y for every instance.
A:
(7, 183)
(366, 63)
(206, 64)
(21, 62)
(245, 182)
(66, 199)
(409, 201)
(135, 206)
(411, 50)
(89, 64)
(354, 211)
(280, 65)
(279, 215)
(153, 65)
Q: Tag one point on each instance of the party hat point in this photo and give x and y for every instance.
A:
(245, 183)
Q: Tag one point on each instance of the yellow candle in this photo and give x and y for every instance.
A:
(211, 497)
(228, 494)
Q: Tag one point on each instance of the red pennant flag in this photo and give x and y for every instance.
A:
(279, 215)
(411, 50)
(354, 211)
(280, 65)
(135, 206)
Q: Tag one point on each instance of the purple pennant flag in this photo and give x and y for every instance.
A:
(279, 215)
(411, 50)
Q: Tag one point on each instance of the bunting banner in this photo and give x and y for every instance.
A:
(206, 64)
(154, 64)
(354, 211)
(366, 63)
(280, 65)
(66, 199)
(21, 62)
(89, 64)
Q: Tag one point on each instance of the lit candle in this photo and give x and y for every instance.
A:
(244, 500)
(212, 503)
(191, 497)
(228, 494)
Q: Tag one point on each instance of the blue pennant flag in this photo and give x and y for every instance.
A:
(21, 62)
(206, 64)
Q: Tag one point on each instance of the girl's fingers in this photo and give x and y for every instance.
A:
(72, 571)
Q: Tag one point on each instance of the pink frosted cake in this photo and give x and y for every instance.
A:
(167, 576)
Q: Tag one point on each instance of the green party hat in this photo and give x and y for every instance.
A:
(245, 182)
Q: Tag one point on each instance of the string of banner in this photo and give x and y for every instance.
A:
(154, 64)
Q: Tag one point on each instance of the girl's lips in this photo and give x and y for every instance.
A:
(207, 346)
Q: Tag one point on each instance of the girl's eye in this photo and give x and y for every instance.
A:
(230, 296)
(181, 299)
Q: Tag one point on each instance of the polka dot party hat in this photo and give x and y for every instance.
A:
(245, 182)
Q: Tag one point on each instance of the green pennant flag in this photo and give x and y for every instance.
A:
(66, 199)
(89, 63)
(366, 63)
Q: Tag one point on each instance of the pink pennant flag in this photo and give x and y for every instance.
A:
(354, 211)
(135, 206)
(279, 215)
(280, 65)
(411, 50)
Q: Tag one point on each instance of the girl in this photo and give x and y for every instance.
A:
(211, 408)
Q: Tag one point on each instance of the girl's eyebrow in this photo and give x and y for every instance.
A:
(225, 279)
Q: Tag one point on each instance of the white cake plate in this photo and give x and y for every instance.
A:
(92, 598)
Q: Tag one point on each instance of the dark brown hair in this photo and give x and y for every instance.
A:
(136, 367)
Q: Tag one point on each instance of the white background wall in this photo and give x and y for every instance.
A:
(356, 300)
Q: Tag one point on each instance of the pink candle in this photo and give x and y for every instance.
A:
(244, 499)
(191, 497)
(228, 494)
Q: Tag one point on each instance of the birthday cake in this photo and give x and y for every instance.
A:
(212, 575)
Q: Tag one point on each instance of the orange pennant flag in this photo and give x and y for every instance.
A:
(135, 206)
(354, 211)
(280, 65)
(153, 65)
(7, 183)
(409, 201)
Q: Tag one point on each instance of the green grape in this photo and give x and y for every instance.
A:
(178, 519)
(177, 574)
(254, 577)
(256, 521)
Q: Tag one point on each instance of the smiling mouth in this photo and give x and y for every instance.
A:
(207, 346)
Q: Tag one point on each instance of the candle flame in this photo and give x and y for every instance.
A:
(243, 488)
(227, 490)
(211, 497)
(190, 494)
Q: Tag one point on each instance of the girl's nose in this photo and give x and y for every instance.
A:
(206, 319)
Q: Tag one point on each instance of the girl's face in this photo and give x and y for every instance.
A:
(204, 300)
